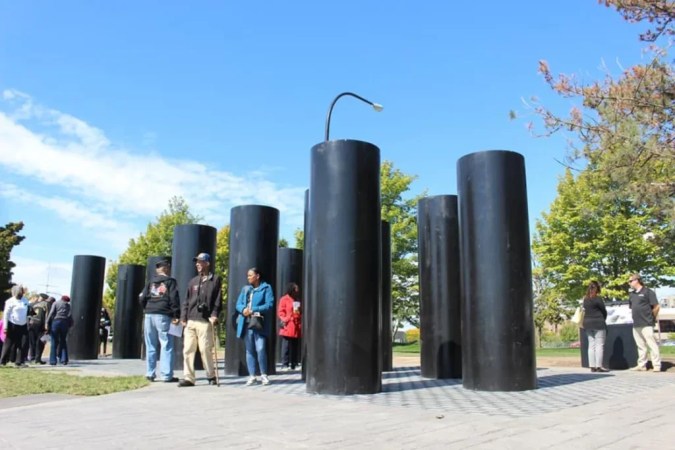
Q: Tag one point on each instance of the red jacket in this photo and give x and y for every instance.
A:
(291, 318)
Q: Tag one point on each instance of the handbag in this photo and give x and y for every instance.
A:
(578, 316)
(255, 323)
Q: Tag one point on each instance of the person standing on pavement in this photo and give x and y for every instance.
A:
(37, 317)
(199, 316)
(161, 304)
(254, 304)
(59, 322)
(104, 323)
(289, 326)
(645, 309)
(15, 320)
(594, 324)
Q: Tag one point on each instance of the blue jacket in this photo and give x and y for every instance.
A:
(263, 302)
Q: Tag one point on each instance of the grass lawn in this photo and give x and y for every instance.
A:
(14, 382)
(545, 352)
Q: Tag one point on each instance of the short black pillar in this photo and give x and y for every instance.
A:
(345, 274)
(497, 317)
(440, 317)
(86, 298)
(254, 242)
(189, 241)
(128, 333)
(386, 306)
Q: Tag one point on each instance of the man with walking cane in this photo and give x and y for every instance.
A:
(200, 312)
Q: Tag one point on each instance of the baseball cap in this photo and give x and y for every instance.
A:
(202, 257)
(44, 296)
(163, 263)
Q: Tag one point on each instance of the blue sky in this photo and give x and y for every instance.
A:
(107, 109)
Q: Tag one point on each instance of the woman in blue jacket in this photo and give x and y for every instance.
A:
(254, 305)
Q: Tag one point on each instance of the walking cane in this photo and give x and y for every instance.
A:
(215, 352)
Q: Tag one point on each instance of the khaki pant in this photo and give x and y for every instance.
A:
(198, 333)
(644, 337)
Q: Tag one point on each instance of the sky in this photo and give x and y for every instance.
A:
(109, 109)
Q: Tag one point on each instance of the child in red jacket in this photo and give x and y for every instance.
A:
(290, 316)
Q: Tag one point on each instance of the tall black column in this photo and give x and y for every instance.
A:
(385, 336)
(289, 270)
(345, 273)
(305, 289)
(86, 297)
(440, 328)
(498, 327)
(254, 242)
(189, 241)
(128, 311)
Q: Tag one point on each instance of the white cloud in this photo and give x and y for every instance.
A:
(53, 278)
(69, 154)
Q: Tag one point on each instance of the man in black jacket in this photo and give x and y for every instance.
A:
(37, 316)
(199, 314)
(161, 304)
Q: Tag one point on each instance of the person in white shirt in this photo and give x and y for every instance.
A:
(15, 322)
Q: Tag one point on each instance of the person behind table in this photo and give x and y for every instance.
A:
(254, 304)
(645, 309)
(595, 327)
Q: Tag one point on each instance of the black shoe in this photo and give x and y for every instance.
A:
(42, 363)
(212, 381)
(150, 379)
(185, 383)
(171, 380)
(593, 369)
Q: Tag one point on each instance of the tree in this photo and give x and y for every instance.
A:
(223, 260)
(9, 238)
(584, 237)
(624, 126)
(548, 309)
(401, 213)
(156, 241)
(283, 243)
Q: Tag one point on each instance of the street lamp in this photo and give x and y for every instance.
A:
(376, 106)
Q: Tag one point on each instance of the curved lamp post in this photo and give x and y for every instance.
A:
(376, 106)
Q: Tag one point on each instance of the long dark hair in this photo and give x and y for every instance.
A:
(593, 285)
(291, 288)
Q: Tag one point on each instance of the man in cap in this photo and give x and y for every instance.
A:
(645, 309)
(161, 304)
(199, 314)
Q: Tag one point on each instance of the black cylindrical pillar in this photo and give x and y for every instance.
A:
(496, 289)
(304, 289)
(385, 336)
(254, 242)
(86, 297)
(189, 241)
(289, 270)
(128, 335)
(345, 273)
(440, 318)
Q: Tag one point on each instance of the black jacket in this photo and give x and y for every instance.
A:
(595, 314)
(160, 296)
(207, 292)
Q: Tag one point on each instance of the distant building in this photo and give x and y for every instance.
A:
(400, 337)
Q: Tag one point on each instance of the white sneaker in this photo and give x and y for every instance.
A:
(639, 368)
(251, 381)
(265, 381)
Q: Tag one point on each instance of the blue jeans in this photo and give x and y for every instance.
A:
(255, 344)
(59, 332)
(156, 330)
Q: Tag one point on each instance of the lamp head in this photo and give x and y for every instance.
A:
(377, 107)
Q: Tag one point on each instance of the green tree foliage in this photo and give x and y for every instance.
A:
(156, 241)
(401, 213)
(624, 125)
(223, 260)
(9, 238)
(548, 309)
(585, 237)
(283, 243)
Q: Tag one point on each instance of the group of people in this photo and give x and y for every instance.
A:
(198, 317)
(644, 309)
(25, 323)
